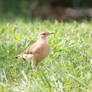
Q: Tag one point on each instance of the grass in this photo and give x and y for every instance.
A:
(68, 68)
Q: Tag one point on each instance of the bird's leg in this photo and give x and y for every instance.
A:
(34, 65)
(24, 59)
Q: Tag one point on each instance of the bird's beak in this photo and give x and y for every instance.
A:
(51, 33)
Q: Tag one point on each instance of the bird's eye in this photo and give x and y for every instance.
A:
(43, 34)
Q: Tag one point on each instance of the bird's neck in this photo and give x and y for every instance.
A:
(43, 39)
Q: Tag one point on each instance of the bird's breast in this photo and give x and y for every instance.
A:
(43, 51)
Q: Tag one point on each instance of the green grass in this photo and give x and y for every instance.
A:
(68, 68)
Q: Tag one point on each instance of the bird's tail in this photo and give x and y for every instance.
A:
(19, 56)
(24, 56)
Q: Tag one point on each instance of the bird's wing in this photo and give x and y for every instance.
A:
(32, 49)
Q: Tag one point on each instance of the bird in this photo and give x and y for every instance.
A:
(38, 51)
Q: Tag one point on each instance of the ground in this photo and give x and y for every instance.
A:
(68, 68)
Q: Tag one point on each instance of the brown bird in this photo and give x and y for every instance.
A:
(38, 51)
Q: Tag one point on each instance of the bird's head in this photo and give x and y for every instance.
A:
(44, 35)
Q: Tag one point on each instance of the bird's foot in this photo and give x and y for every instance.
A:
(34, 69)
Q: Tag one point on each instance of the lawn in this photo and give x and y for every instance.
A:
(68, 68)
